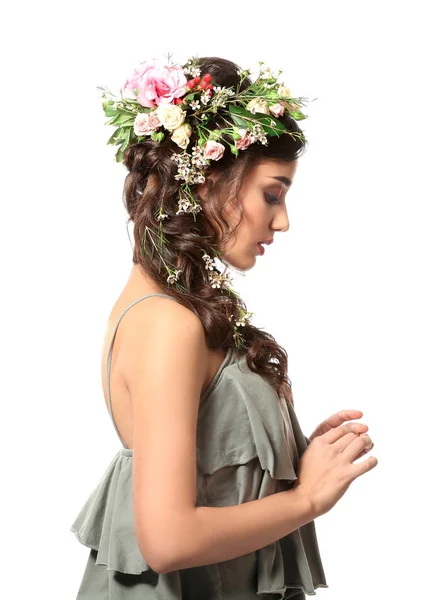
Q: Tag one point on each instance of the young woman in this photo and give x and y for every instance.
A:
(215, 491)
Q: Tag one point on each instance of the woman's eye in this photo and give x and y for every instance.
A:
(271, 199)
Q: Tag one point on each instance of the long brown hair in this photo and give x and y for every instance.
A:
(151, 185)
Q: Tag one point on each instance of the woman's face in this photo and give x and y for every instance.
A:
(262, 197)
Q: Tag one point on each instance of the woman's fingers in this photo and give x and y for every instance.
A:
(337, 433)
(359, 427)
(357, 446)
(342, 416)
(364, 451)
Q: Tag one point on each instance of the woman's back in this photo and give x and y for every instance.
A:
(124, 317)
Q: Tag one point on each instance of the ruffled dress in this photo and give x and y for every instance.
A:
(249, 443)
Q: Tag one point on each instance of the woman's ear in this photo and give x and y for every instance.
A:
(203, 188)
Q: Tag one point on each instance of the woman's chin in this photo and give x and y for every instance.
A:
(241, 263)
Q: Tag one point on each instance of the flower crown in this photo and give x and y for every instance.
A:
(160, 100)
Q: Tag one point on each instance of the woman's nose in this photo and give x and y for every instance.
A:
(281, 221)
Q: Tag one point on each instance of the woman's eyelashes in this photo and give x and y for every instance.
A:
(271, 199)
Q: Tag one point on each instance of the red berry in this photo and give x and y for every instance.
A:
(210, 87)
(178, 100)
(190, 84)
(207, 78)
(203, 85)
(196, 80)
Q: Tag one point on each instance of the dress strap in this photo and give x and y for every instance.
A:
(109, 356)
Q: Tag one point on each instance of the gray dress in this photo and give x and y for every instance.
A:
(249, 443)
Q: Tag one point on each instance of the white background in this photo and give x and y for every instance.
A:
(347, 290)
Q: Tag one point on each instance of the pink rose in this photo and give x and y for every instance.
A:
(213, 150)
(145, 123)
(277, 109)
(157, 83)
(244, 141)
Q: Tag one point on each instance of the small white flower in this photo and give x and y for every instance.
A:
(195, 209)
(174, 276)
(184, 204)
(209, 262)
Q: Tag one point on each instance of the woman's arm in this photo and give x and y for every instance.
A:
(213, 534)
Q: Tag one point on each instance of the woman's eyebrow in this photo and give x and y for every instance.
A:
(282, 179)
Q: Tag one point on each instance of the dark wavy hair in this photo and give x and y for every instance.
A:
(151, 185)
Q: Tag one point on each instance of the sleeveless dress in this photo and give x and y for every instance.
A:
(249, 444)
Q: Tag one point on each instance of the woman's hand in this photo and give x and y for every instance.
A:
(326, 468)
(338, 419)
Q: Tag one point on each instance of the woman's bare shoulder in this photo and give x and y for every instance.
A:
(158, 323)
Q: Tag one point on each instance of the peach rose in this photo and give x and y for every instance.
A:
(213, 150)
(146, 123)
(277, 109)
(244, 141)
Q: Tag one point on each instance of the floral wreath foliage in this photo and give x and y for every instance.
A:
(165, 99)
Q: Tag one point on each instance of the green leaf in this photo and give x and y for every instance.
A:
(270, 124)
(239, 122)
(126, 111)
(109, 111)
(237, 110)
(214, 135)
(114, 138)
(297, 115)
(123, 119)
(126, 141)
(119, 155)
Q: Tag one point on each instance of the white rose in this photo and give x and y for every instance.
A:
(258, 106)
(181, 135)
(170, 115)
